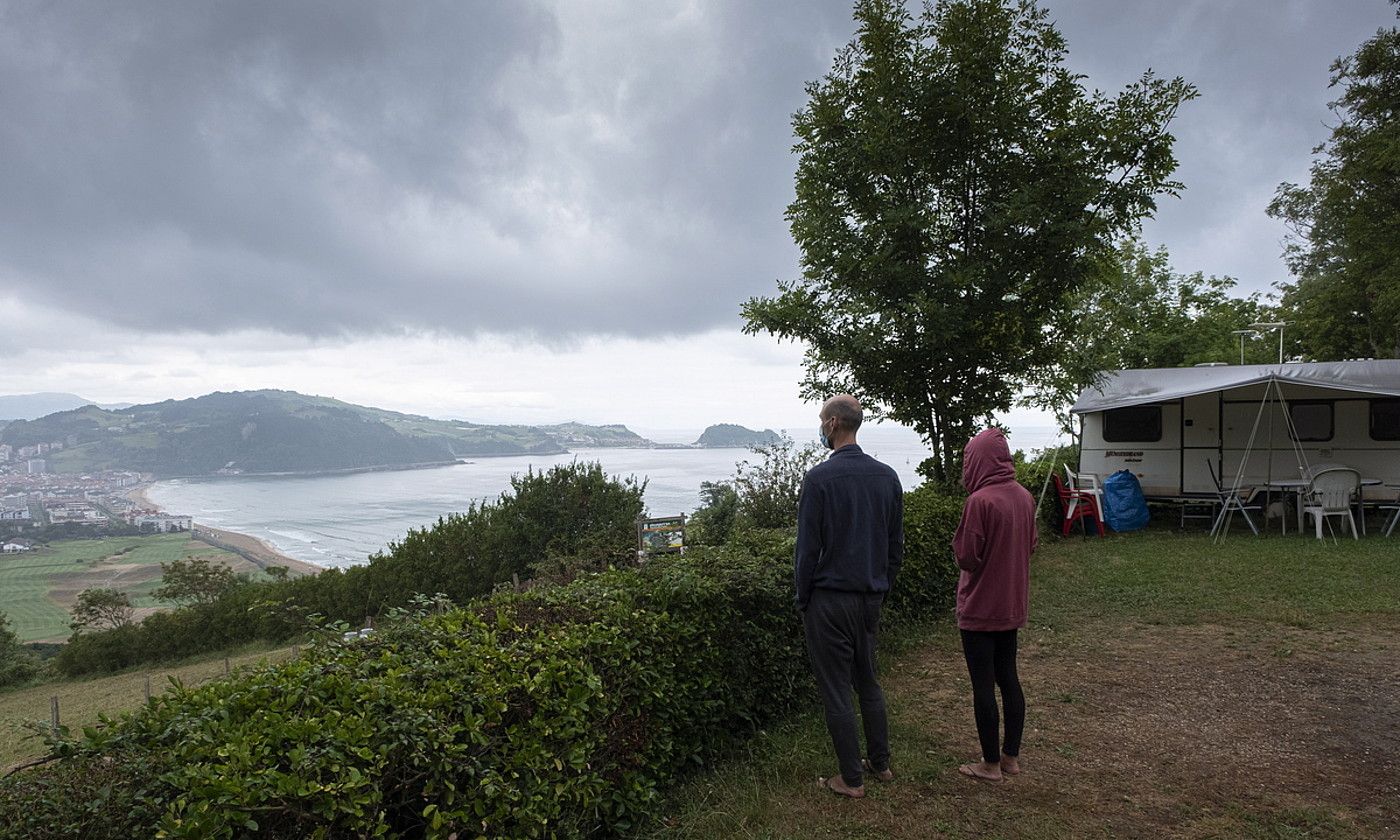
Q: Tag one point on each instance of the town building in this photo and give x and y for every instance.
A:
(162, 523)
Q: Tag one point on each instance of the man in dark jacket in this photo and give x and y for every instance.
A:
(993, 547)
(850, 543)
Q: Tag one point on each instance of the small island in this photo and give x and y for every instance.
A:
(732, 436)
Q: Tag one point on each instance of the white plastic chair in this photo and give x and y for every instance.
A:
(1084, 483)
(1331, 493)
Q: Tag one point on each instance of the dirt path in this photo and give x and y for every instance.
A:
(1190, 731)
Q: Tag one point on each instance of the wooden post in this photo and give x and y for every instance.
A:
(148, 688)
(296, 651)
(515, 580)
(53, 709)
(226, 667)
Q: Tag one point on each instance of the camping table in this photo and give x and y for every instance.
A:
(1296, 486)
(1392, 520)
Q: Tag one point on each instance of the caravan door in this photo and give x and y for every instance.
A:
(1200, 442)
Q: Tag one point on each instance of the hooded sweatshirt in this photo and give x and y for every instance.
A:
(995, 539)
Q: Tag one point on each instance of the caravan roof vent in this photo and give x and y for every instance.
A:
(1211, 364)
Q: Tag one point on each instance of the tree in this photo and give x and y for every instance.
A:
(956, 185)
(1138, 313)
(1344, 244)
(194, 580)
(767, 491)
(101, 609)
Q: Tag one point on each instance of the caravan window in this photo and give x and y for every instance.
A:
(1312, 421)
(1137, 424)
(1385, 419)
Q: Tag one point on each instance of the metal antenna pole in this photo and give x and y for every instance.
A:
(1273, 325)
(1242, 334)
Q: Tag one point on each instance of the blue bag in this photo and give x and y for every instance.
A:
(1124, 508)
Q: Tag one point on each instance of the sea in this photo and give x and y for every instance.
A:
(341, 520)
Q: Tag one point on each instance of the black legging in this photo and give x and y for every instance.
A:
(991, 663)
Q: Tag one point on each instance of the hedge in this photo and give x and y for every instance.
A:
(559, 712)
(927, 583)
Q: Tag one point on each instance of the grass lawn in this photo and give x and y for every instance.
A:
(1174, 689)
(80, 701)
(37, 587)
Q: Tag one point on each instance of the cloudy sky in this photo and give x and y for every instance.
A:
(513, 211)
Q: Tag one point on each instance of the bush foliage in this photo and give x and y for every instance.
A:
(17, 664)
(927, 583)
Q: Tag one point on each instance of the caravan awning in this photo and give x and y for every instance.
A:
(1137, 387)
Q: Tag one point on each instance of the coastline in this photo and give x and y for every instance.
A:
(257, 551)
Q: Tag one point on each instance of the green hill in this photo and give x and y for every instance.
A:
(262, 432)
(729, 435)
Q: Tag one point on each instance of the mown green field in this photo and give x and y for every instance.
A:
(27, 579)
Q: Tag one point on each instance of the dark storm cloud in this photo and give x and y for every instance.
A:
(1262, 69)
(321, 168)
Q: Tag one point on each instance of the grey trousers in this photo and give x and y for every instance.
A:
(841, 628)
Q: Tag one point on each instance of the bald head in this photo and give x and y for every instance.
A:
(845, 413)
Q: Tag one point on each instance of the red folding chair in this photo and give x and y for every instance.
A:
(1077, 504)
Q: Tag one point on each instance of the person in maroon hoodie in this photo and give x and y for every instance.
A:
(993, 547)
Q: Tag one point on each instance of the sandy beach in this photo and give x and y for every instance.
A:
(256, 551)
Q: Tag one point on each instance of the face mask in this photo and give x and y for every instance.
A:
(821, 433)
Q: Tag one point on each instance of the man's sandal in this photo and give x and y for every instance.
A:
(886, 775)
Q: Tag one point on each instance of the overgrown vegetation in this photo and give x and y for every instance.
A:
(551, 712)
(563, 710)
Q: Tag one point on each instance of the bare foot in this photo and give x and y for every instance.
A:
(983, 771)
(838, 786)
(886, 775)
(1010, 765)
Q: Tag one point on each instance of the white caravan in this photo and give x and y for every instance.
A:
(1167, 425)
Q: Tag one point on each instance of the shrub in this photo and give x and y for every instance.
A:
(194, 580)
(571, 516)
(17, 664)
(768, 490)
(927, 583)
(101, 609)
(92, 796)
(713, 522)
(559, 712)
